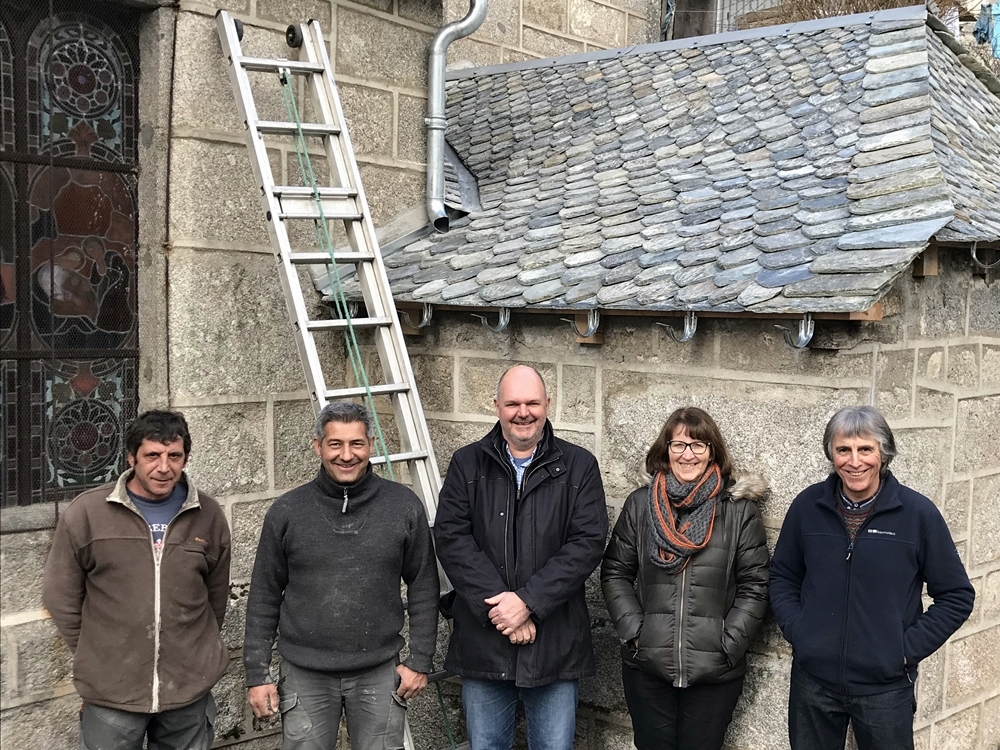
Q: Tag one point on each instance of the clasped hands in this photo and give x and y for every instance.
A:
(512, 617)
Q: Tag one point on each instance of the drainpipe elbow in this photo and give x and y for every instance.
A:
(435, 121)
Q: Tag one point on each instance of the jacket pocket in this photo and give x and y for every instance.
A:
(729, 647)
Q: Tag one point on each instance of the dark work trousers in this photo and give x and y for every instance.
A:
(818, 717)
(665, 717)
(185, 728)
(312, 703)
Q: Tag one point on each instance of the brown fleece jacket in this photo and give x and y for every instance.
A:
(145, 636)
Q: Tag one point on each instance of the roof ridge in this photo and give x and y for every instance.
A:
(984, 74)
(895, 151)
(909, 13)
(952, 144)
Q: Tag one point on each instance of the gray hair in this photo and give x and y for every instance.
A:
(861, 421)
(343, 411)
(545, 390)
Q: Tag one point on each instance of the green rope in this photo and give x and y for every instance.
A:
(326, 243)
(444, 715)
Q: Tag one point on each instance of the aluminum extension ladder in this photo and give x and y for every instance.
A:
(346, 202)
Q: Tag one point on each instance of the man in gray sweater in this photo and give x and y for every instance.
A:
(327, 576)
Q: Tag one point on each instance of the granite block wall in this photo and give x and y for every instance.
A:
(929, 366)
(216, 343)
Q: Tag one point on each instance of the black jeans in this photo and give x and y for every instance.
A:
(665, 717)
(186, 728)
(818, 717)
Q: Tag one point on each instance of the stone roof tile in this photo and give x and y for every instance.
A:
(769, 172)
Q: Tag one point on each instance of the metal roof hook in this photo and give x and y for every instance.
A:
(806, 328)
(593, 323)
(690, 326)
(502, 323)
(425, 316)
(342, 309)
(979, 263)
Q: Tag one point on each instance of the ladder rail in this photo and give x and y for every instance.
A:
(280, 202)
(294, 298)
(373, 280)
(346, 202)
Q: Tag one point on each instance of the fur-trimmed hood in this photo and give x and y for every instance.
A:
(742, 486)
(748, 487)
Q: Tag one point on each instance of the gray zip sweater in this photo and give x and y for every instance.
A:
(328, 579)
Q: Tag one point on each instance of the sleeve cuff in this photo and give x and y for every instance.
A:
(257, 677)
(423, 664)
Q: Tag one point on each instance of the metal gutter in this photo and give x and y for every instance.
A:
(436, 121)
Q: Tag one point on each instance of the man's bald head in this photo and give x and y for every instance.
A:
(515, 369)
(522, 405)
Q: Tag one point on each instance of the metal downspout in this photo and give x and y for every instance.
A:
(435, 120)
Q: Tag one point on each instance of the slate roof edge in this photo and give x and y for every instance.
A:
(909, 13)
(979, 70)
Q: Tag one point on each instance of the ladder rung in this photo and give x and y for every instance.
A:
(305, 207)
(377, 390)
(295, 66)
(411, 456)
(336, 323)
(271, 127)
(324, 192)
(336, 213)
(323, 259)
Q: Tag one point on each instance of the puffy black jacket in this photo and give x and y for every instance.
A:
(693, 626)
(853, 612)
(541, 546)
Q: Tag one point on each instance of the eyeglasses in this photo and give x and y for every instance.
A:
(677, 447)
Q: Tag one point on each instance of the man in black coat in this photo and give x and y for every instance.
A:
(520, 525)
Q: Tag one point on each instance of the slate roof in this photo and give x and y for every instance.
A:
(788, 169)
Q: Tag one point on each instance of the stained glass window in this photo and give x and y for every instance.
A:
(6, 90)
(80, 78)
(68, 310)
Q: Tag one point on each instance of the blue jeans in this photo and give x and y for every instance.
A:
(550, 711)
(818, 716)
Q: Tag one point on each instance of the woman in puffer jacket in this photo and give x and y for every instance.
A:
(685, 580)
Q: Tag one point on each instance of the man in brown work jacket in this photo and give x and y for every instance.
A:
(137, 583)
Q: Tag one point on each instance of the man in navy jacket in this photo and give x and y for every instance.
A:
(846, 580)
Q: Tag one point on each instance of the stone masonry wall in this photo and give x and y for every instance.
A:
(214, 335)
(933, 367)
(216, 343)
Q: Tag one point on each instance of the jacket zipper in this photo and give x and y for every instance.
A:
(156, 620)
(344, 509)
(155, 707)
(506, 536)
(681, 679)
(506, 523)
(847, 611)
(847, 597)
(524, 481)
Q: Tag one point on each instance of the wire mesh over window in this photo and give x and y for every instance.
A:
(68, 223)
